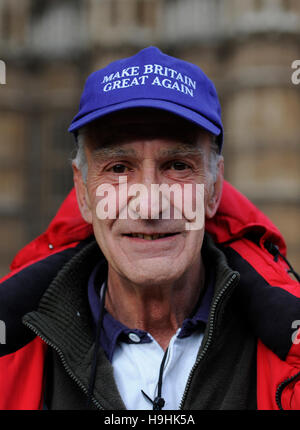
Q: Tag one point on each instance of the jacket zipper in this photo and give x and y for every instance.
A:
(209, 338)
(282, 386)
(66, 366)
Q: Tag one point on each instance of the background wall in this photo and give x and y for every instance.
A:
(50, 46)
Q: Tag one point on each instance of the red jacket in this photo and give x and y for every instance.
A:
(242, 230)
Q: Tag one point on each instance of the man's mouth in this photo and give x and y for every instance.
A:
(155, 236)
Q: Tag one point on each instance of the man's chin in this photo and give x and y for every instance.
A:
(150, 275)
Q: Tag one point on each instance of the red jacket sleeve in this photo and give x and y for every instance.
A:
(22, 377)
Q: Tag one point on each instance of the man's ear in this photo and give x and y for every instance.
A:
(82, 194)
(215, 191)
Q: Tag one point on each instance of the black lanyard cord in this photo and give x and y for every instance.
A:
(159, 402)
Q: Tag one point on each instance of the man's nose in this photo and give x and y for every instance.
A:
(148, 174)
(147, 201)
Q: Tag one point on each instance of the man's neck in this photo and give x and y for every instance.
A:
(157, 309)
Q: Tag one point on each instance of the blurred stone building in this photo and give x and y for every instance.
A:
(50, 46)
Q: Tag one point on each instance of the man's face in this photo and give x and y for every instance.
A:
(146, 147)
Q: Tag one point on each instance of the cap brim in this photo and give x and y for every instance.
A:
(179, 110)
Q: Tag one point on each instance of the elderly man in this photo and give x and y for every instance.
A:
(153, 307)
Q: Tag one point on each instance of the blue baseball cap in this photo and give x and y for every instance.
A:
(155, 80)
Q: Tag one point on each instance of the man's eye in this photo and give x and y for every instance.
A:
(119, 168)
(178, 165)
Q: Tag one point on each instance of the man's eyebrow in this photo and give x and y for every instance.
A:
(182, 150)
(113, 152)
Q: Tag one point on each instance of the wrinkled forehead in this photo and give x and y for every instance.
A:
(135, 124)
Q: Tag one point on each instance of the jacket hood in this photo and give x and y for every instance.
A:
(236, 217)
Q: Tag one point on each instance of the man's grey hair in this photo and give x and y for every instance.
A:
(80, 160)
(215, 157)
